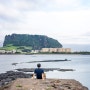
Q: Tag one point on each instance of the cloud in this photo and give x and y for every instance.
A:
(65, 4)
(15, 8)
(64, 20)
(75, 40)
(17, 5)
(87, 33)
(8, 11)
(61, 24)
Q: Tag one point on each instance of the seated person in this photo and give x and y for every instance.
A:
(39, 73)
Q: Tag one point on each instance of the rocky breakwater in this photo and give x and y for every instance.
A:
(45, 69)
(9, 76)
(47, 84)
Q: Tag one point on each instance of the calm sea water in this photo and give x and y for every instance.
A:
(81, 64)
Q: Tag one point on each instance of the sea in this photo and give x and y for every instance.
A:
(80, 64)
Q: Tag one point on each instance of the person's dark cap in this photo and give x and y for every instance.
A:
(38, 65)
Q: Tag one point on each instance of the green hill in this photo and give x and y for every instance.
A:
(33, 41)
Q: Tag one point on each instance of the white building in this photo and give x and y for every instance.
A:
(35, 51)
(2, 51)
(66, 50)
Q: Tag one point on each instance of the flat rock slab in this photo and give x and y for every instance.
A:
(48, 84)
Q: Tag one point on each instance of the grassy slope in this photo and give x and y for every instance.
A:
(11, 47)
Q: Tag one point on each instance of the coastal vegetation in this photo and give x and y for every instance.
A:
(11, 47)
(28, 44)
(33, 41)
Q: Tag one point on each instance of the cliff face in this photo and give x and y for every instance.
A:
(35, 41)
(48, 84)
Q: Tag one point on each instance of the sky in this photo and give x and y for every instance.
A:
(67, 21)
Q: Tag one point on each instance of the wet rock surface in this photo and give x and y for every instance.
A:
(9, 76)
(14, 80)
(48, 84)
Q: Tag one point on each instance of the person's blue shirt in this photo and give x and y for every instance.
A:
(39, 72)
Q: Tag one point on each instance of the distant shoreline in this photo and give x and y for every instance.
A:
(46, 53)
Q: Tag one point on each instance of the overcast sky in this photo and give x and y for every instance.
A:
(68, 21)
